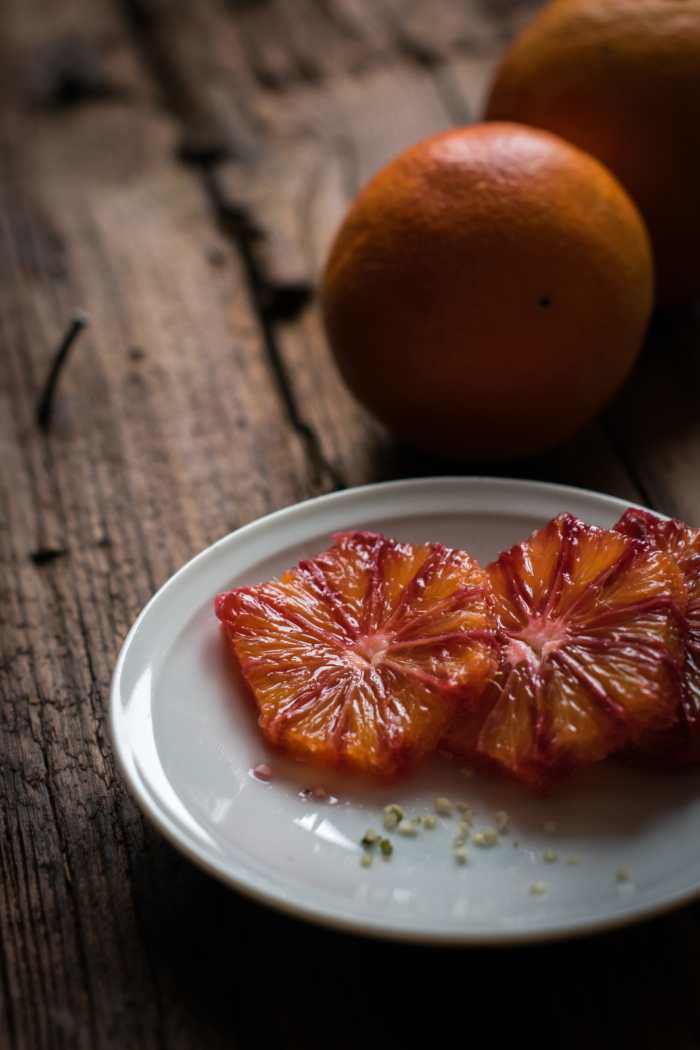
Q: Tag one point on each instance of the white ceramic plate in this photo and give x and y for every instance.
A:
(187, 740)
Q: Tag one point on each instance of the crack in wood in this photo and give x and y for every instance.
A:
(67, 71)
(202, 147)
(270, 307)
(44, 555)
(214, 124)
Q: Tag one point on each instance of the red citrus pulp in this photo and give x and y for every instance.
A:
(358, 658)
(592, 629)
(678, 744)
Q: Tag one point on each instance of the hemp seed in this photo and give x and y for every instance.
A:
(486, 838)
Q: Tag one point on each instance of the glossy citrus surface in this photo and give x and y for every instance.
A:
(488, 291)
(593, 635)
(679, 744)
(621, 79)
(358, 658)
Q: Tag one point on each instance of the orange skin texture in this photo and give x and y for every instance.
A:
(621, 79)
(488, 292)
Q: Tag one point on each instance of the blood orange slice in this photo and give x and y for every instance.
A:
(592, 631)
(358, 658)
(678, 744)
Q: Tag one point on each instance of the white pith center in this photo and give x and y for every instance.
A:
(537, 641)
(369, 651)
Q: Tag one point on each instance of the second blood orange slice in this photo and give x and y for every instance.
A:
(678, 744)
(592, 630)
(359, 658)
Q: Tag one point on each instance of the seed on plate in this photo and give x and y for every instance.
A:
(549, 827)
(464, 828)
(622, 875)
(430, 821)
(443, 805)
(410, 826)
(386, 848)
(461, 855)
(501, 819)
(392, 815)
(366, 860)
(573, 858)
(487, 837)
(537, 888)
(459, 840)
(550, 856)
(372, 836)
(461, 805)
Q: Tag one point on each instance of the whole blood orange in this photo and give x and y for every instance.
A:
(592, 630)
(359, 658)
(488, 291)
(678, 744)
(621, 79)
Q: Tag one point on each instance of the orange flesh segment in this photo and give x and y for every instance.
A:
(593, 633)
(678, 744)
(358, 658)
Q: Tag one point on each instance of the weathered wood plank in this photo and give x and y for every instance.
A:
(168, 430)
(320, 139)
(348, 133)
(188, 407)
(656, 419)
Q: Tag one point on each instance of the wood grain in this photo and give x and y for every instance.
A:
(168, 431)
(201, 397)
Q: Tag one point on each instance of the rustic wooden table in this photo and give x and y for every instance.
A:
(177, 168)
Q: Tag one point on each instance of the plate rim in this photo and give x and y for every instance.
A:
(308, 911)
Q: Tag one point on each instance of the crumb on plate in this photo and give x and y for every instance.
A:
(501, 819)
(487, 837)
(409, 826)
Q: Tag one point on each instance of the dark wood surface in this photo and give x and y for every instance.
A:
(177, 169)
